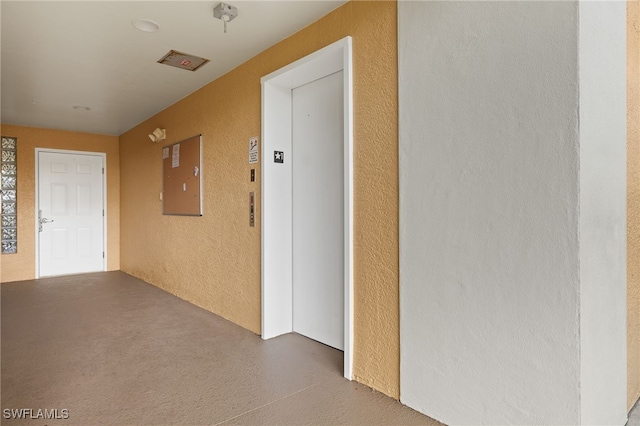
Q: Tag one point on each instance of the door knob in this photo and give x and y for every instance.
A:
(42, 220)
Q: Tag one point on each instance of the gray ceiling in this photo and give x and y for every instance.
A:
(59, 54)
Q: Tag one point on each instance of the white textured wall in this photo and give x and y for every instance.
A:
(603, 261)
(489, 261)
(512, 211)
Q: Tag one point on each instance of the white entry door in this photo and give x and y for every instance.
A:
(318, 210)
(70, 213)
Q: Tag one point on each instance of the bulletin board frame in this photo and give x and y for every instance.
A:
(182, 177)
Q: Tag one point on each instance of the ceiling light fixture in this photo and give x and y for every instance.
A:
(225, 13)
(158, 135)
(146, 25)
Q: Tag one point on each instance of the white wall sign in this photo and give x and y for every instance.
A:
(175, 156)
(253, 150)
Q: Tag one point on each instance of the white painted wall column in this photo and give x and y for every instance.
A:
(603, 177)
(512, 211)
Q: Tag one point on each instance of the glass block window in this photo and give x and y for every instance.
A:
(9, 193)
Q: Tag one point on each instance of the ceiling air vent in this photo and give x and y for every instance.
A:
(182, 60)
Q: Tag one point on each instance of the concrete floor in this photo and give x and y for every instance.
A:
(113, 350)
(634, 415)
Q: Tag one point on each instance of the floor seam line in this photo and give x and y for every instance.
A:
(267, 404)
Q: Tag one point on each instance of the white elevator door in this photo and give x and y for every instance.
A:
(318, 210)
(70, 193)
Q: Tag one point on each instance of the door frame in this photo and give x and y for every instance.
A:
(277, 200)
(103, 157)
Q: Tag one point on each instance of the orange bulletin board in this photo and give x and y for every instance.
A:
(182, 178)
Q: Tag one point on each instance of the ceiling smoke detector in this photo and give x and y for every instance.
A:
(182, 60)
(225, 13)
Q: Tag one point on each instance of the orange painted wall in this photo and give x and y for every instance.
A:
(633, 202)
(22, 265)
(214, 261)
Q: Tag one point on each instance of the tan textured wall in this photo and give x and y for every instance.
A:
(633, 201)
(214, 260)
(22, 265)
